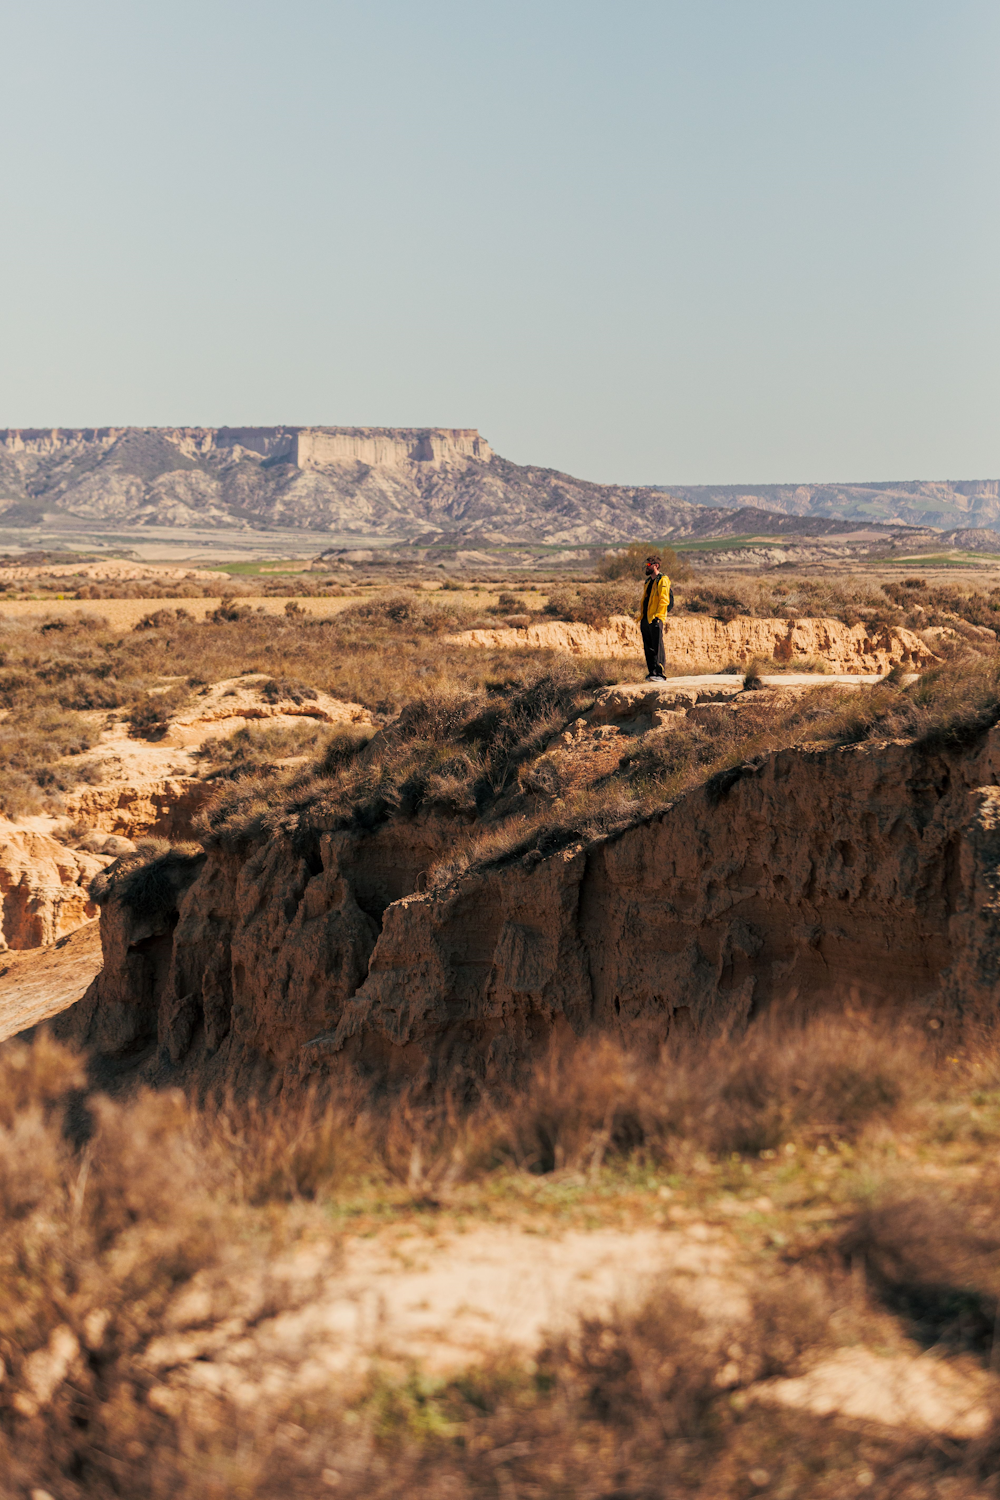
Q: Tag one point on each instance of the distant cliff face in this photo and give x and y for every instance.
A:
(400, 482)
(372, 481)
(945, 504)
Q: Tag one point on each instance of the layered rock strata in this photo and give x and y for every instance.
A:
(693, 641)
(869, 872)
(43, 887)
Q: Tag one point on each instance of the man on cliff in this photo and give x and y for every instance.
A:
(657, 602)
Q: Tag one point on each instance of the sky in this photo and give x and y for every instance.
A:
(649, 241)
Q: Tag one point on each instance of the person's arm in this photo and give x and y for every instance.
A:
(662, 601)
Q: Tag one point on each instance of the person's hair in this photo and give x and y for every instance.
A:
(653, 558)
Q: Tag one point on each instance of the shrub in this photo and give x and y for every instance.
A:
(285, 691)
(33, 747)
(822, 1079)
(257, 748)
(933, 1257)
(630, 562)
(150, 715)
(595, 604)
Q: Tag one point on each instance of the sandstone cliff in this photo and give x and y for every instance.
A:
(700, 641)
(870, 871)
(43, 887)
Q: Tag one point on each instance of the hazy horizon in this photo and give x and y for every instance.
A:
(648, 244)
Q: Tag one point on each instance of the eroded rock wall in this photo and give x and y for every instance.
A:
(43, 887)
(870, 872)
(693, 641)
(248, 955)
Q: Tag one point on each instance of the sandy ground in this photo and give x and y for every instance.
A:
(39, 982)
(462, 1294)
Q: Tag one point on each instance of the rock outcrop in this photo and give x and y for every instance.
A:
(869, 871)
(165, 808)
(43, 887)
(700, 641)
(41, 982)
(233, 703)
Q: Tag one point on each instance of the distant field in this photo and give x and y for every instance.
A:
(948, 559)
(725, 544)
(125, 614)
(252, 569)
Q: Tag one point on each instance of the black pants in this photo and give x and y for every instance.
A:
(652, 645)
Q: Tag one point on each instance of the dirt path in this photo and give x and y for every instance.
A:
(40, 982)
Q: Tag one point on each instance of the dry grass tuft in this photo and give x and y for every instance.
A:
(827, 1079)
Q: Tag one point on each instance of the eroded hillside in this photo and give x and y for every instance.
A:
(458, 882)
(519, 1165)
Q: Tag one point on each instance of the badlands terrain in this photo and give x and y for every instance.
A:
(439, 1062)
(441, 491)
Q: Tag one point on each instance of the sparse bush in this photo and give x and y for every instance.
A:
(229, 611)
(258, 748)
(33, 747)
(825, 1079)
(150, 715)
(630, 562)
(933, 1257)
(163, 619)
(285, 692)
(594, 604)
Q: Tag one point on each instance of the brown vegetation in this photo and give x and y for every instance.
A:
(111, 1213)
(125, 1223)
(851, 598)
(630, 563)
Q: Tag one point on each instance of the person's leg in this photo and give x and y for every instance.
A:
(660, 653)
(648, 633)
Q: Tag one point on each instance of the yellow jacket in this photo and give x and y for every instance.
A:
(655, 599)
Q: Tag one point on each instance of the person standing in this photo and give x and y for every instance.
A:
(657, 602)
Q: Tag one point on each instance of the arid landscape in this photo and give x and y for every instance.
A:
(438, 1061)
(500, 751)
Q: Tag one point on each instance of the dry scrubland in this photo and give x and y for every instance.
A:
(850, 1174)
(848, 1167)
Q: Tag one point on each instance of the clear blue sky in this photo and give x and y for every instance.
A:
(687, 241)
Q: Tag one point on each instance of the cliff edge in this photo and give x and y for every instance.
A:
(868, 872)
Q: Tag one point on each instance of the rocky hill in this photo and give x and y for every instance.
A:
(372, 482)
(946, 504)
